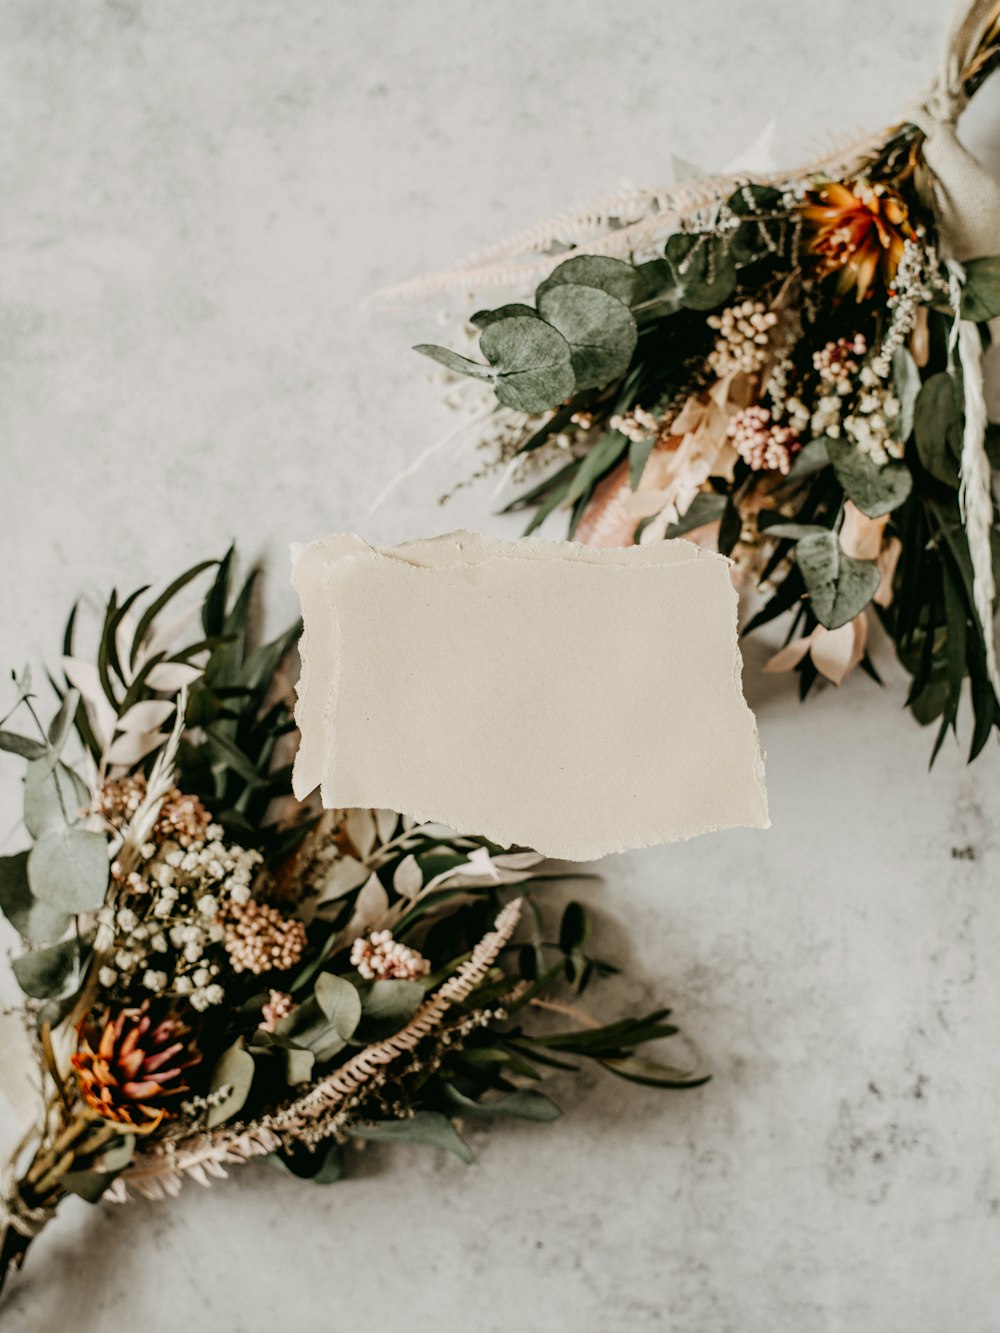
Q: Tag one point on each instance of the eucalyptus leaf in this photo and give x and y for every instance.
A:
(906, 380)
(458, 365)
(637, 1069)
(235, 1071)
(35, 921)
(424, 1127)
(875, 488)
(613, 276)
(812, 457)
(53, 797)
(340, 1002)
(532, 363)
(839, 586)
(61, 726)
(600, 330)
(484, 317)
(937, 427)
(981, 289)
(68, 868)
(50, 972)
(386, 1006)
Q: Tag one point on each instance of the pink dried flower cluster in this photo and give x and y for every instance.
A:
(379, 956)
(836, 361)
(182, 819)
(279, 1005)
(259, 939)
(758, 441)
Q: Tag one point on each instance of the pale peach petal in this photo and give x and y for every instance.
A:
(860, 535)
(836, 652)
(787, 658)
(887, 561)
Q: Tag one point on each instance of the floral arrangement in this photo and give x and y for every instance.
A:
(214, 972)
(787, 367)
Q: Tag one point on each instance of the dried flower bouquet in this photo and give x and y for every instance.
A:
(214, 972)
(787, 367)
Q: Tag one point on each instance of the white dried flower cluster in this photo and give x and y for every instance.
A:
(168, 935)
(743, 344)
(636, 425)
(912, 287)
(837, 364)
(873, 422)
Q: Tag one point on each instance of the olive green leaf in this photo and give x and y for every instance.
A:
(839, 586)
(425, 1127)
(35, 921)
(613, 276)
(600, 330)
(524, 1104)
(906, 379)
(68, 868)
(233, 1071)
(91, 1182)
(981, 289)
(875, 489)
(14, 743)
(937, 427)
(531, 361)
(704, 508)
(386, 1006)
(703, 268)
(53, 971)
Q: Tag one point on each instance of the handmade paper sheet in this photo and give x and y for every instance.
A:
(572, 700)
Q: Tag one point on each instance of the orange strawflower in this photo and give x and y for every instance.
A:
(858, 232)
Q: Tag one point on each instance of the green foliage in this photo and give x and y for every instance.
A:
(839, 585)
(429, 1128)
(233, 1072)
(36, 921)
(981, 289)
(875, 488)
(937, 427)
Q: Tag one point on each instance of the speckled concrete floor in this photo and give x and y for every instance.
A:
(196, 200)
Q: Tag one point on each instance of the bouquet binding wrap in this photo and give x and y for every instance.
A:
(214, 972)
(789, 366)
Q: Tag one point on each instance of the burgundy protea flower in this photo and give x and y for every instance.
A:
(131, 1069)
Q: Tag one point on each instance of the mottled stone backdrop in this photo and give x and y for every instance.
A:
(197, 197)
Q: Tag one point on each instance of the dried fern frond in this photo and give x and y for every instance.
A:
(204, 1158)
(624, 225)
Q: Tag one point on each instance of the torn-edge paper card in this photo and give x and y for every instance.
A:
(573, 700)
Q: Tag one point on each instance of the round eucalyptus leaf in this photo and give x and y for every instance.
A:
(234, 1071)
(35, 921)
(52, 796)
(839, 586)
(532, 366)
(875, 489)
(601, 332)
(613, 276)
(484, 317)
(340, 1002)
(68, 869)
(981, 290)
(45, 973)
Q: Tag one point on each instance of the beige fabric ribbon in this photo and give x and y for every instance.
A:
(967, 196)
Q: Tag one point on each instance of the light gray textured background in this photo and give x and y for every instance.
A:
(196, 198)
